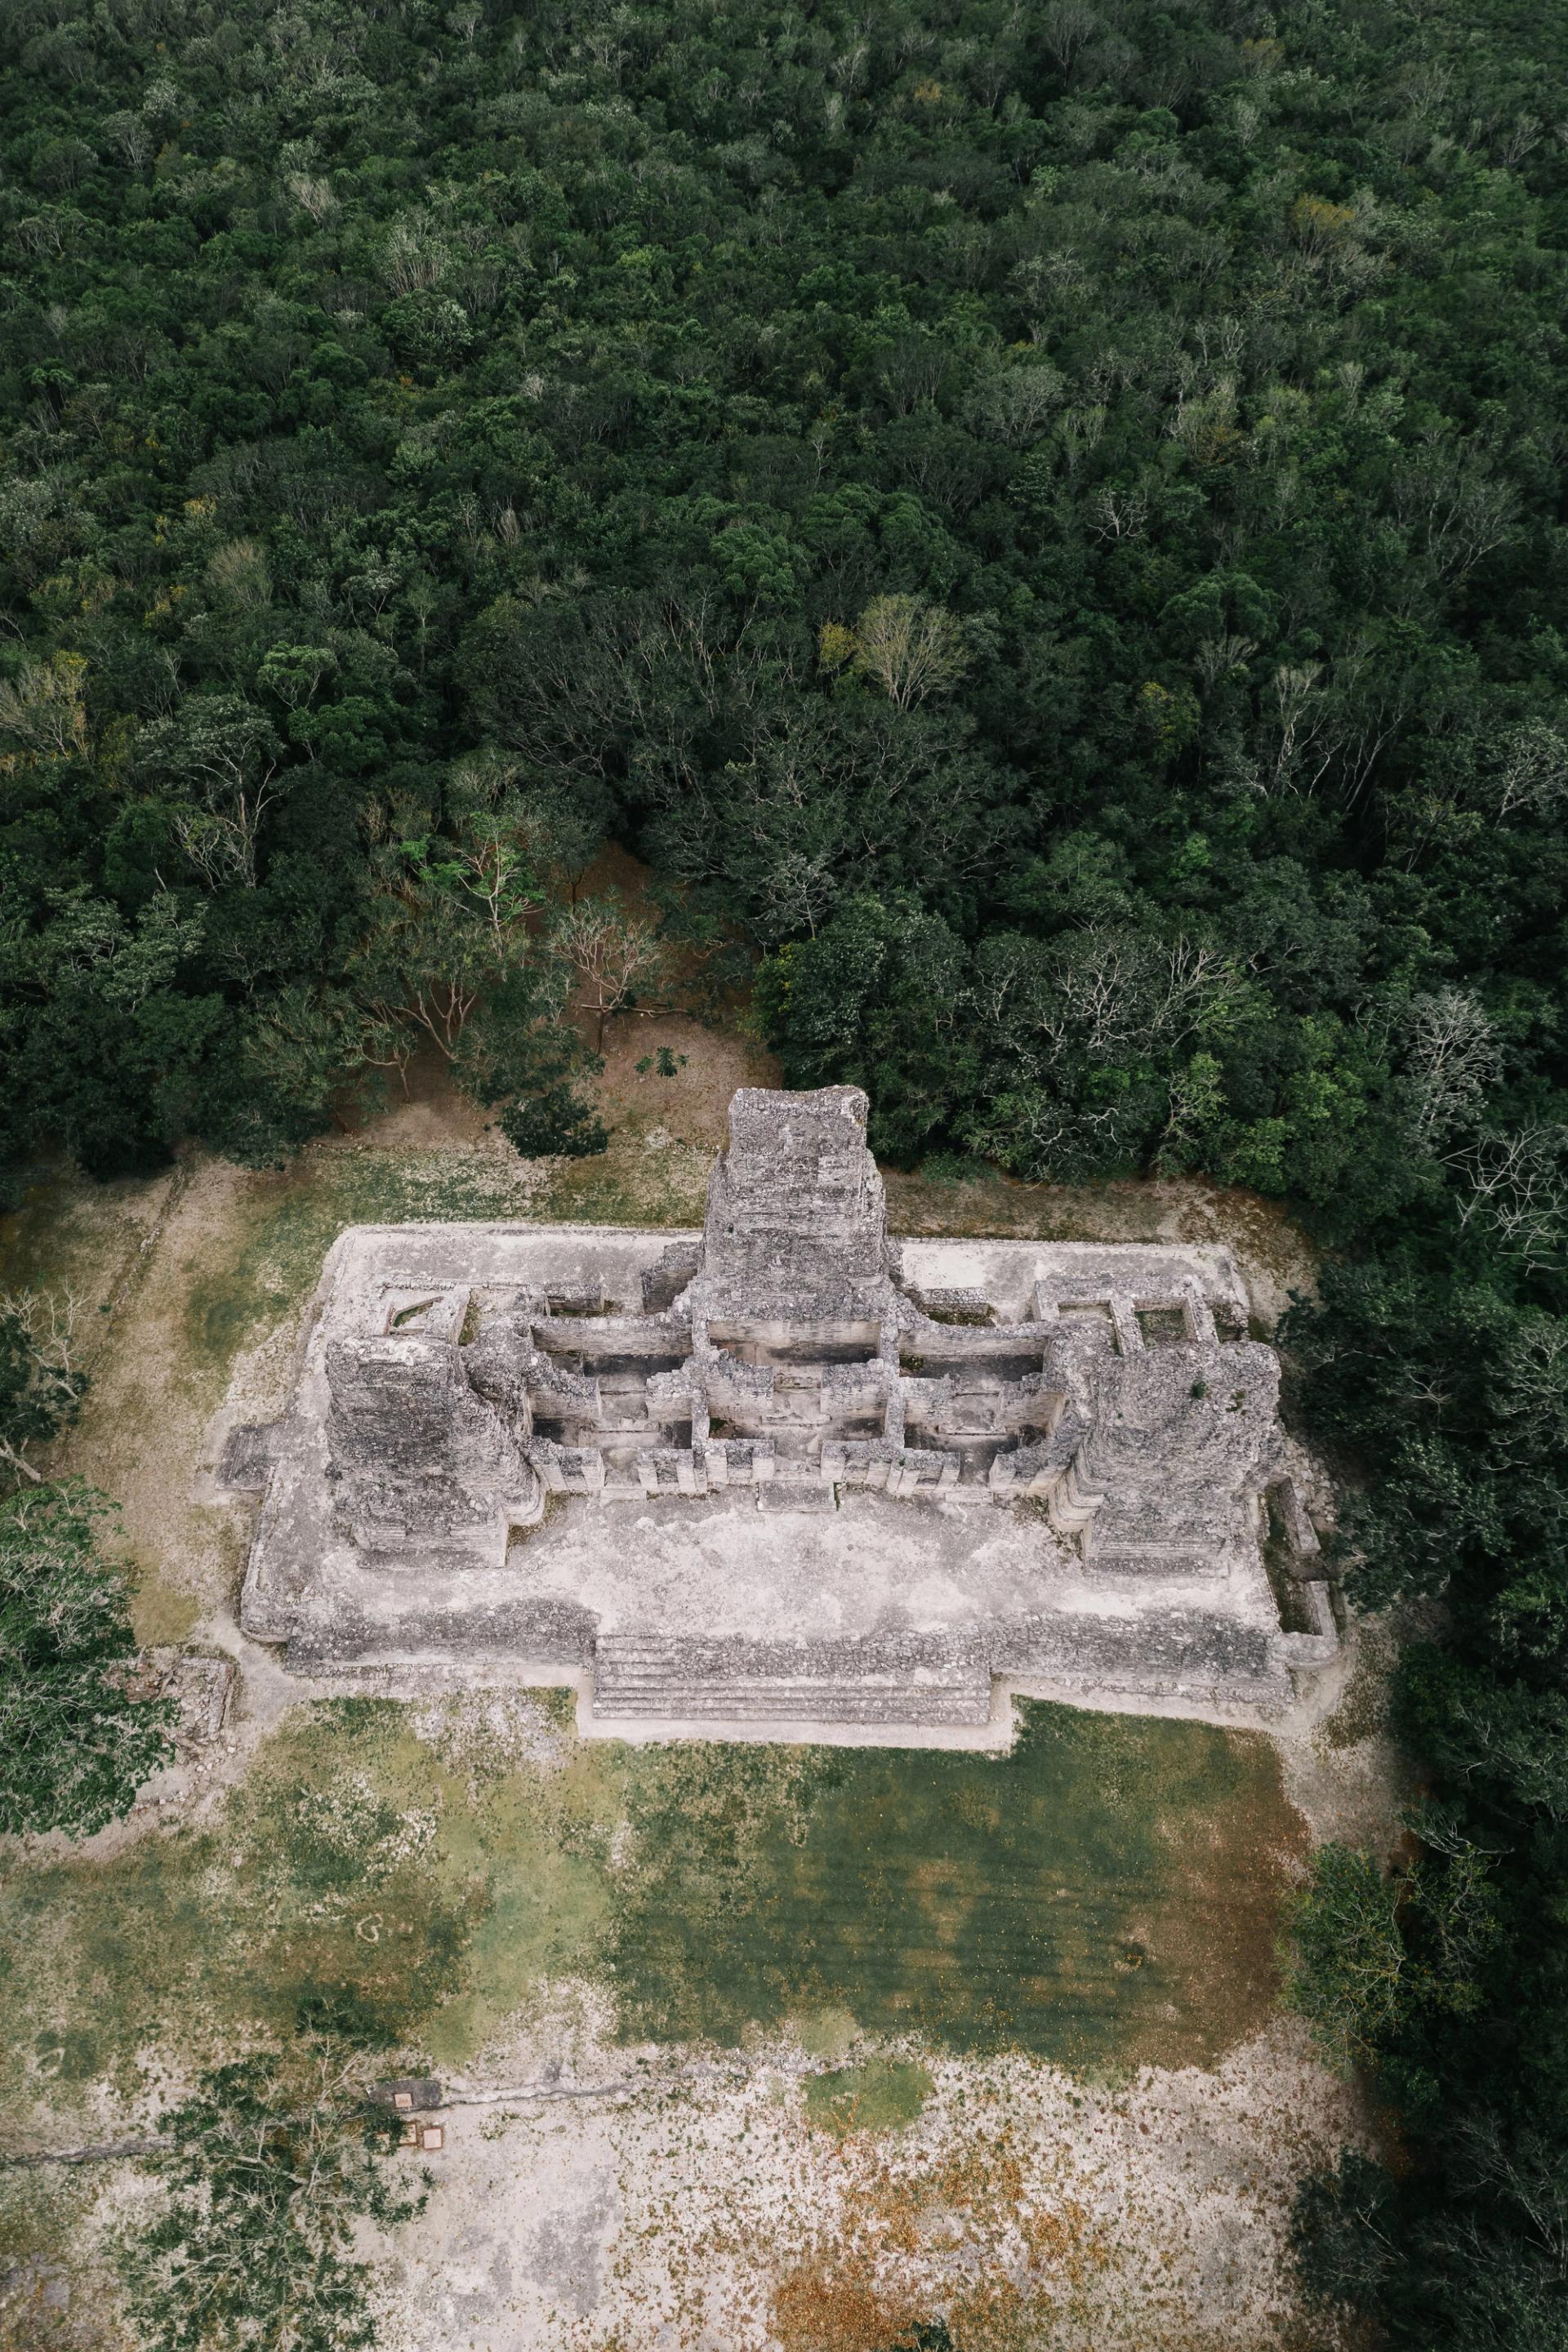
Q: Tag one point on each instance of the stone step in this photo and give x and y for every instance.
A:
(795, 1495)
(816, 1702)
(1114, 1557)
(639, 1676)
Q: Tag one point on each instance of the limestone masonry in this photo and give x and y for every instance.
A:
(808, 1475)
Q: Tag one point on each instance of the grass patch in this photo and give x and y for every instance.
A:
(355, 1877)
(1106, 1894)
(69, 1233)
(1363, 1712)
(647, 1177)
(881, 2096)
(824, 2032)
(44, 2235)
(273, 1256)
(162, 1614)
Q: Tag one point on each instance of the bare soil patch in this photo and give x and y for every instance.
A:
(1026, 2207)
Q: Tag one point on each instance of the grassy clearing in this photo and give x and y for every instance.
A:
(42, 2214)
(359, 1876)
(73, 1235)
(647, 1177)
(1031, 2253)
(39, 2211)
(1105, 1896)
(664, 1128)
(267, 1256)
(884, 2095)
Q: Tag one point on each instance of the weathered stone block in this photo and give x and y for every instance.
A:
(419, 1461)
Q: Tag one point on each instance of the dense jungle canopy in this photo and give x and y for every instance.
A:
(1044, 527)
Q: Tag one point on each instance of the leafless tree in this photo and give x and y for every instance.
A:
(1118, 513)
(1451, 1059)
(1523, 2169)
(1517, 1186)
(45, 710)
(1101, 990)
(909, 648)
(221, 749)
(414, 253)
(313, 195)
(1304, 714)
(1522, 134)
(614, 957)
(1216, 658)
(1451, 495)
(1079, 435)
(130, 135)
(1534, 773)
(1013, 402)
(1066, 29)
(46, 1322)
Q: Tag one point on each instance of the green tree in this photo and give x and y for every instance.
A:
(75, 1743)
(110, 1045)
(270, 2171)
(1373, 1953)
(876, 999)
(1349, 1974)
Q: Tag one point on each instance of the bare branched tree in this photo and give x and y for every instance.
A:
(43, 713)
(1218, 657)
(1118, 513)
(1303, 710)
(1516, 1185)
(615, 958)
(1451, 1059)
(1533, 775)
(42, 1380)
(221, 755)
(1452, 499)
(909, 648)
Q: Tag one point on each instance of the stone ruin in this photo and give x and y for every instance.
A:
(785, 1472)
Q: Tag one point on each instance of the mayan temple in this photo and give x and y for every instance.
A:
(787, 1471)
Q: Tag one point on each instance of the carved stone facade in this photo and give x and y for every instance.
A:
(789, 1359)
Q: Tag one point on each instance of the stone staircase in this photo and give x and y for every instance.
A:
(647, 1674)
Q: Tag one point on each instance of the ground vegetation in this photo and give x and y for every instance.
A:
(77, 1737)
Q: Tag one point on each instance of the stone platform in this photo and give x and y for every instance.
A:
(788, 1471)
